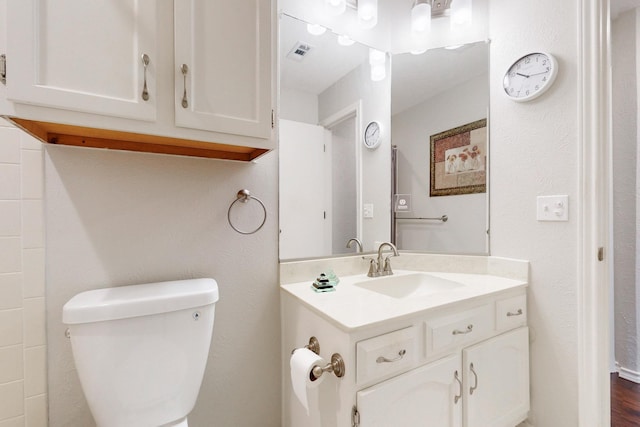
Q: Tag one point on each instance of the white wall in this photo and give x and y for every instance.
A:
(117, 218)
(625, 144)
(23, 350)
(465, 231)
(298, 106)
(375, 164)
(535, 151)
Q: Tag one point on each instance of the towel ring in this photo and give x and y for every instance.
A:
(244, 196)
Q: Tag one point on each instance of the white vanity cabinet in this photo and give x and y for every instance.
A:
(462, 364)
(192, 77)
(486, 384)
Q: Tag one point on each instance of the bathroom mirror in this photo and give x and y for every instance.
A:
(332, 187)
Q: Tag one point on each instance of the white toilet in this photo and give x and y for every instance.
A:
(141, 350)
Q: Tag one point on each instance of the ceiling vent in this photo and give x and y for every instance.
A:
(299, 51)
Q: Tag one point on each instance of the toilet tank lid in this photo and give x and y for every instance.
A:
(122, 302)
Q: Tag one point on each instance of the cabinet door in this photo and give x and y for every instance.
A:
(223, 69)
(496, 380)
(83, 55)
(424, 397)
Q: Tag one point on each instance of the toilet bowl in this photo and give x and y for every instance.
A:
(141, 350)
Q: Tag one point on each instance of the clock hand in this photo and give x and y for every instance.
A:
(524, 75)
(537, 74)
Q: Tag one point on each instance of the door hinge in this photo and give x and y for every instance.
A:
(273, 119)
(600, 254)
(3, 69)
(355, 417)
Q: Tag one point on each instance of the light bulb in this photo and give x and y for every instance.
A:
(421, 18)
(336, 7)
(345, 40)
(316, 29)
(368, 13)
(460, 13)
(377, 57)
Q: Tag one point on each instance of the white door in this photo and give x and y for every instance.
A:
(83, 55)
(223, 69)
(496, 380)
(423, 397)
(304, 229)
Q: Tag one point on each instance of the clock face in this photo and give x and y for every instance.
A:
(372, 135)
(530, 76)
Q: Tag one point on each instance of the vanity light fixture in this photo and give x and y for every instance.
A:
(368, 13)
(335, 7)
(378, 64)
(421, 17)
(316, 29)
(344, 40)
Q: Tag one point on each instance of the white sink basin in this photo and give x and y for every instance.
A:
(408, 285)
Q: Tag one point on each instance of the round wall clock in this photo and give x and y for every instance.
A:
(530, 76)
(371, 136)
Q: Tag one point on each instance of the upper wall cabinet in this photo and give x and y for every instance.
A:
(231, 90)
(84, 56)
(189, 77)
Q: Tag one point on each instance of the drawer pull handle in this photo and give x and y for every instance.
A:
(383, 359)
(475, 385)
(517, 313)
(466, 331)
(457, 396)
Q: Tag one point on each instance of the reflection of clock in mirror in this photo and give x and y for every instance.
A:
(371, 136)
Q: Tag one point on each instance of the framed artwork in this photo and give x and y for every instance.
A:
(459, 160)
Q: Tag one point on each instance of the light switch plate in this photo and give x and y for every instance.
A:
(553, 208)
(367, 210)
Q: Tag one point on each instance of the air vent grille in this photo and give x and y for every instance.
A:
(299, 51)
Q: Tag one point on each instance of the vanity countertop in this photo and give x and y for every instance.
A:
(351, 306)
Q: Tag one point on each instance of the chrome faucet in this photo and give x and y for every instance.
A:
(376, 266)
(357, 242)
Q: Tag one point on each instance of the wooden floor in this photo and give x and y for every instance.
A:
(625, 402)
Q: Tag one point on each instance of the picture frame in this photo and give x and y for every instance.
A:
(458, 160)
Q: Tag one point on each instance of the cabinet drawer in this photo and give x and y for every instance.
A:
(447, 332)
(511, 313)
(386, 354)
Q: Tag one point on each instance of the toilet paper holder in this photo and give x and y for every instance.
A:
(336, 365)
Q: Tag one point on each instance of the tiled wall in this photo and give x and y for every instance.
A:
(23, 398)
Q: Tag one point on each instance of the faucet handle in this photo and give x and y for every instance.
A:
(373, 268)
(387, 266)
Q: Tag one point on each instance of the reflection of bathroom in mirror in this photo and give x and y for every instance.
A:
(328, 177)
(437, 91)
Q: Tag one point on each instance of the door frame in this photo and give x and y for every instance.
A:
(352, 110)
(594, 128)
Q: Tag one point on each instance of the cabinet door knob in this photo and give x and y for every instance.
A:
(466, 331)
(475, 376)
(383, 359)
(517, 313)
(184, 69)
(457, 396)
(145, 63)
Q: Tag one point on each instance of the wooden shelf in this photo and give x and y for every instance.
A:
(54, 133)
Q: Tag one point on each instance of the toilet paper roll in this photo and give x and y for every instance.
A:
(302, 362)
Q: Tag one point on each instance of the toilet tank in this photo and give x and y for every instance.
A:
(141, 350)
